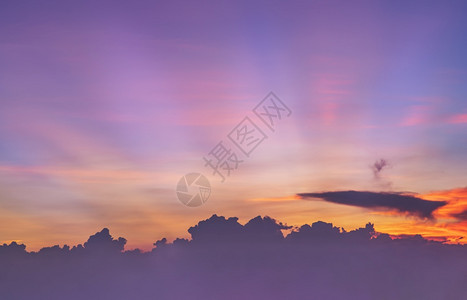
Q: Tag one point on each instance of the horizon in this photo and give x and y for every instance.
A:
(287, 232)
(228, 260)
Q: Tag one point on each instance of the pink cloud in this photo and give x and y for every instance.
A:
(417, 115)
(458, 119)
(428, 115)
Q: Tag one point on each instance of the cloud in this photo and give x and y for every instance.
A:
(220, 229)
(372, 200)
(378, 167)
(460, 215)
(457, 203)
(103, 242)
(458, 119)
(225, 257)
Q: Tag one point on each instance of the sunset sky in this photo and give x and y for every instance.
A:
(104, 107)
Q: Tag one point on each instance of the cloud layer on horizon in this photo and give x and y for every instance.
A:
(228, 260)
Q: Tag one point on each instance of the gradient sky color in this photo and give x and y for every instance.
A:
(104, 106)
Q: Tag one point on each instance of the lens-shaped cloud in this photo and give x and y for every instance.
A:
(392, 201)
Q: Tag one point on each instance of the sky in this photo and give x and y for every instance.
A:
(105, 106)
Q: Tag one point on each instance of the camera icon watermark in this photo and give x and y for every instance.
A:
(193, 189)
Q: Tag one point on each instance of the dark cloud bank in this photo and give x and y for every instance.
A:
(392, 201)
(227, 260)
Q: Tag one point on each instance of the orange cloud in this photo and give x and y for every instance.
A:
(448, 225)
(457, 202)
(277, 199)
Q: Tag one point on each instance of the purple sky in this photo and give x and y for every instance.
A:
(103, 107)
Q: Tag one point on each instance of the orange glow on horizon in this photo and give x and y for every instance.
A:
(444, 227)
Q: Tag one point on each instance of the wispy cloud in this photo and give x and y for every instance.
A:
(458, 119)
